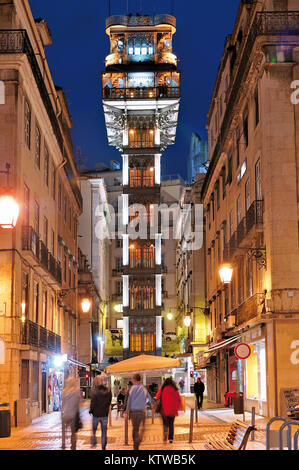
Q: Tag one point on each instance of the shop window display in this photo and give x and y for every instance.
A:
(256, 372)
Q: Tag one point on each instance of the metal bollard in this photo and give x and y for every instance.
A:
(252, 421)
(153, 415)
(191, 425)
(196, 414)
(126, 431)
(110, 417)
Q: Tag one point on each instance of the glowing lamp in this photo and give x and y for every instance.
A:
(85, 304)
(152, 168)
(169, 316)
(131, 131)
(225, 274)
(187, 320)
(132, 246)
(9, 211)
(118, 308)
(23, 310)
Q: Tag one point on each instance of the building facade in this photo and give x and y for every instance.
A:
(190, 277)
(198, 157)
(141, 94)
(38, 327)
(250, 196)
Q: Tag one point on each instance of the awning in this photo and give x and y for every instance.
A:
(204, 356)
(143, 363)
(224, 343)
(76, 363)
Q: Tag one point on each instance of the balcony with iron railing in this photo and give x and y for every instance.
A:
(36, 251)
(249, 309)
(246, 230)
(159, 92)
(35, 335)
(30, 241)
(140, 20)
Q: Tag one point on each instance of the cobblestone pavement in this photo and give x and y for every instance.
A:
(45, 432)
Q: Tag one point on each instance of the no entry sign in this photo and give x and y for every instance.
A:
(242, 351)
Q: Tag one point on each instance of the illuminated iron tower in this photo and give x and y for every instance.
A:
(141, 95)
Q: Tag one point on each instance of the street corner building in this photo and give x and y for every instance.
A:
(39, 256)
(141, 96)
(250, 197)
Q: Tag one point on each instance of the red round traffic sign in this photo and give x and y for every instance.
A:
(242, 351)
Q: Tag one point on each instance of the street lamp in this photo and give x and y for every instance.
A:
(85, 304)
(187, 320)
(9, 211)
(225, 273)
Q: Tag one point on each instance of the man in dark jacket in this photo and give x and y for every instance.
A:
(100, 402)
(136, 408)
(199, 388)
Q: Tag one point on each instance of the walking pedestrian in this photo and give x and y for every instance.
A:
(100, 402)
(199, 388)
(170, 405)
(136, 409)
(182, 384)
(70, 412)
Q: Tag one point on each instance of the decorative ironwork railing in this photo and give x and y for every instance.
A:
(241, 230)
(140, 20)
(141, 93)
(43, 254)
(31, 242)
(35, 335)
(248, 309)
(254, 215)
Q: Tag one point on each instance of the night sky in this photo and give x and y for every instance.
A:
(80, 45)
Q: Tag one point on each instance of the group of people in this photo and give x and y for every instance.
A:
(132, 402)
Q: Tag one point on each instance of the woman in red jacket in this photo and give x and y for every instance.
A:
(171, 403)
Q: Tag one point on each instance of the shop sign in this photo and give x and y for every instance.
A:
(242, 351)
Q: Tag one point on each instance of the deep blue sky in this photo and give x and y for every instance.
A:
(80, 44)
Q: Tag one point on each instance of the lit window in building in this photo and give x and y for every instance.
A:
(131, 50)
(137, 50)
(135, 341)
(144, 50)
(27, 124)
(148, 341)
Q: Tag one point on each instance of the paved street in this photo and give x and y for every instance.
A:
(45, 432)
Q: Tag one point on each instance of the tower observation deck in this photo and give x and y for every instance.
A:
(141, 96)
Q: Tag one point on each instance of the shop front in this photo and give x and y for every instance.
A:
(254, 371)
(282, 357)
